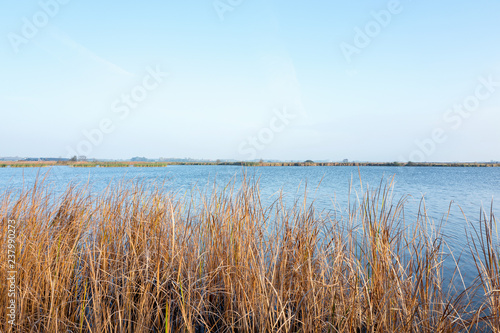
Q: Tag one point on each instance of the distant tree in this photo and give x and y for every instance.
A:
(139, 159)
(309, 161)
(74, 159)
(217, 162)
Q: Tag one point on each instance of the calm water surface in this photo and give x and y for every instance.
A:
(468, 189)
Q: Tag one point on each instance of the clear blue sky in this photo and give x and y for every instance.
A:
(387, 93)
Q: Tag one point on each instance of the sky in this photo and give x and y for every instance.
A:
(239, 79)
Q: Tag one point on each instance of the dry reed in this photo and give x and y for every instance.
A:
(135, 259)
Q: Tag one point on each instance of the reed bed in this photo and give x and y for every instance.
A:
(136, 259)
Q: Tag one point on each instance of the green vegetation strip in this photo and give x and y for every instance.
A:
(249, 164)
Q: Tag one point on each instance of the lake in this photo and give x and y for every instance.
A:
(467, 189)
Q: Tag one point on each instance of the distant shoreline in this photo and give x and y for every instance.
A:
(82, 164)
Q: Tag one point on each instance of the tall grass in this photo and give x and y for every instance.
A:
(134, 259)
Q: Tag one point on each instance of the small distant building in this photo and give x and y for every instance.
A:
(345, 160)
